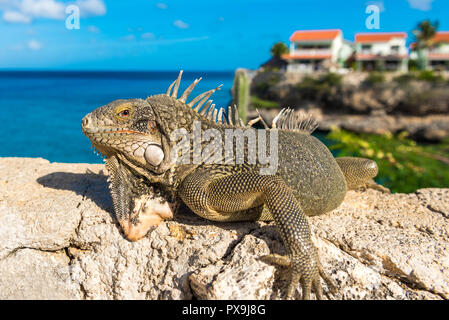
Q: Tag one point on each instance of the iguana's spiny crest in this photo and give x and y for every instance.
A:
(287, 119)
(200, 105)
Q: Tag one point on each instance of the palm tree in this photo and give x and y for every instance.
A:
(278, 49)
(424, 34)
(276, 62)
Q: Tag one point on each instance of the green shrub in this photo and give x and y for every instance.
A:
(331, 79)
(413, 65)
(429, 75)
(404, 166)
(405, 78)
(375, 78)
(262, 103)
(261, 88)
(317, 88)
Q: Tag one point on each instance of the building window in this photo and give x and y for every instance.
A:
(311, 46)
(366, 48)
(395, 49)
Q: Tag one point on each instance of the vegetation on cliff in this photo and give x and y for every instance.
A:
(404, 165)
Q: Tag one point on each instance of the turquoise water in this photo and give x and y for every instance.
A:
(41, 112)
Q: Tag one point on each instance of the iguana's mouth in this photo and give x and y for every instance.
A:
(109, 131)
(93, 128)
(103, 139)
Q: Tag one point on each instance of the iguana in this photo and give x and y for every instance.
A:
(136, 137)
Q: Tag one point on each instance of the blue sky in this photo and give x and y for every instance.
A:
(174, 34)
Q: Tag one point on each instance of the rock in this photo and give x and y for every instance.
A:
(427, 128)
(59, 239)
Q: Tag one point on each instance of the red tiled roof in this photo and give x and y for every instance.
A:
(314, 35)
(378, 37)
(305, 57)
(442, 36)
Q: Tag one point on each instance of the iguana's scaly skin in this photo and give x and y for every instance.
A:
(134, 135)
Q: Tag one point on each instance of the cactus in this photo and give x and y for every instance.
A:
(240, 92)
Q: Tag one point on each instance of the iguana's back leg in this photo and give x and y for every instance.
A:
(223, 193)
(359, 173)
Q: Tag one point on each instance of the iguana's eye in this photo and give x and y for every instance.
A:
(124, 113)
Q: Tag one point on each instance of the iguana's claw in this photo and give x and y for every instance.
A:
(305, 270)
(331, 285)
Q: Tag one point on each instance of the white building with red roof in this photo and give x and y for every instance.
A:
(438, 55)
(381, 51)
(312, 50)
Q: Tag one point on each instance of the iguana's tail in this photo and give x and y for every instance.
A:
(359, 172)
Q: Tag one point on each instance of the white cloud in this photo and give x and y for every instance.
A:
(93, 29)
(90, 8)
(423, 5)
(34, 45)
(181, 24)
(49, 9)
(25, 11)
(148, 35)
(129, 37)
(171, 41)
(15, 17)
(161, 5)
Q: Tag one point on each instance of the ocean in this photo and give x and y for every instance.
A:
(41, 111)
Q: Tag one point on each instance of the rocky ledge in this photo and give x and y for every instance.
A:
(59, 240)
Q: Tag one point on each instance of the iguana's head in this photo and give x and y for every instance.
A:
(128, 127)
(139, 130)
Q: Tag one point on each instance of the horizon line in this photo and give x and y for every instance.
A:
(110, 70)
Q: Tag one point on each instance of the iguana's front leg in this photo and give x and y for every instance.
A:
(138, 206)
(218, 195)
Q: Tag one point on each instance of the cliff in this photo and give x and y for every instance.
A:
(360, 102)
(59, 240)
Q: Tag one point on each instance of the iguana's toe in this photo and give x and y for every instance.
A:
(305, 271)
(276, 259)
